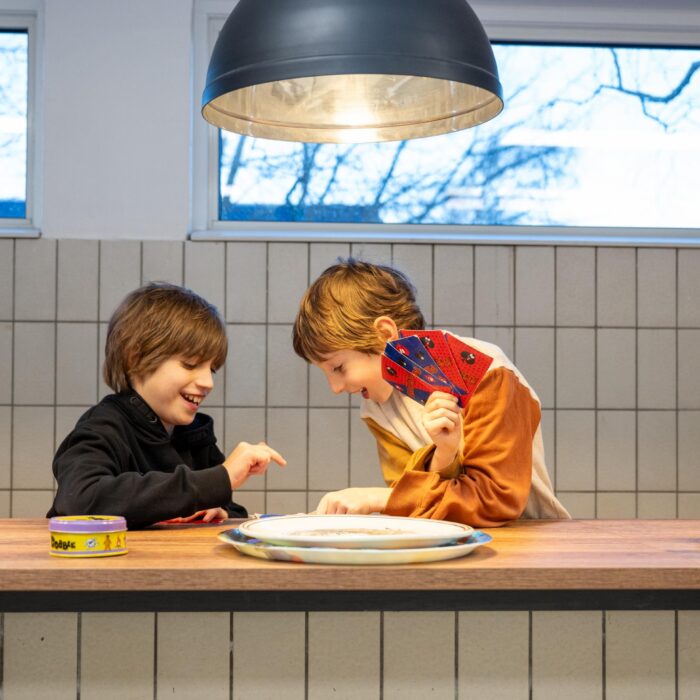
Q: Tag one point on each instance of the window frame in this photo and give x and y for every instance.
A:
(28, 16)
(553, 21)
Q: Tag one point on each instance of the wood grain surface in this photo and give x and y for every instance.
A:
(526, 555)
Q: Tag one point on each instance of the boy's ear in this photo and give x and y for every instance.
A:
(386, 328)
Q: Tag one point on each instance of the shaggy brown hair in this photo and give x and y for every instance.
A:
(338, 310)
(156, 322)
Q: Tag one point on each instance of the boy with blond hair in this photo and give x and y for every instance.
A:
(146, 452)
(482, 465)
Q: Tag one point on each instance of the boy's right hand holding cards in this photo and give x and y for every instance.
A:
(443, 422)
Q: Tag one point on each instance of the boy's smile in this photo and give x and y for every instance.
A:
(175, 389)
(356, 372)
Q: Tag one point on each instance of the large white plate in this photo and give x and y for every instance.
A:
(332, 555)
(354, 531)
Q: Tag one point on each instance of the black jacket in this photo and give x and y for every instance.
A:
(120, 460)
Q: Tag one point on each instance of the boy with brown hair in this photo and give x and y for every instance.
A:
(146, 452)
(482, 465)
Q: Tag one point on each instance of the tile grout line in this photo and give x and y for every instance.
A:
(636, 382)
(79, 654)
(677, 392)
(596, 410)
(55, 363)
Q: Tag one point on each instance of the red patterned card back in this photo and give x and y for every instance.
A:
(436, 345)
(471, 363)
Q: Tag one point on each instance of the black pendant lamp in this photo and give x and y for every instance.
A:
(347, 71)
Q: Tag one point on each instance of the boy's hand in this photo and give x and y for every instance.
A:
(205, 516)
(356, 501)
(443, 421)
(247, 459)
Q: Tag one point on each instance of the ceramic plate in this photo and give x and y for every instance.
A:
(332, 555)
(354, 531)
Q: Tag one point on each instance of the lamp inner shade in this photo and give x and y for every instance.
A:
(352, 108)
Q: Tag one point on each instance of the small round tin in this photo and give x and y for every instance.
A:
(87, 535)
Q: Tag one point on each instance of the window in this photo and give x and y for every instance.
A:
(14, 55)
(591, 136)
(598, 141)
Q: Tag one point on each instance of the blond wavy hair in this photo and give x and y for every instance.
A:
(339, 309)
(156, 322)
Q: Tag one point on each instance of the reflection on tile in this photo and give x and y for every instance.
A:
(40, 656)
(689, 450)
(576, 450)
(657, 450)
(288, 269)
(204, 640)
(5, 504)
(656, 287)
(358, 676)
(494, 285)
(616, 287)
(76, 358)
(534, 286)
(689, 506)
(32, 447)
(576, 282)
(654, 506)
(323, 255)
(5, 446)
(534, 349)
(120, 273)
(246, 282)
(115, 662)
(35, 280)
(162, 262)
(454, 285)
(617, 453)
(575, 360)
(286, 432)
(639, 655)
(34, 363)
(688, 287)
(287, 374)
(282, 636)
(377, 253)
(688, 376)
(31, 504)
(688, 654)
(656, 352)
(246, 365)
(6, 338)
(286, 502)
(364, 460)
(416, 261)
(616, 369)
(565, 664)
(495, 667)
(7, 276)
(579, 504)
(204, 272)
(77, 280)
(408, 675)
(328, 448)
(616, 506)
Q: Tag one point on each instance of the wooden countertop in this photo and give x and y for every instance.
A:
(536, 557)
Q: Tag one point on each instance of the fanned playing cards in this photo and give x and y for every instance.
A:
(424, 361)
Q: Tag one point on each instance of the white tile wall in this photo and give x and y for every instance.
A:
(608, 337)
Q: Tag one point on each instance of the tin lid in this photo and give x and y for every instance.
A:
(87, 523)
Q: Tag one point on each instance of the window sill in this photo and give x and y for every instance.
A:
(506, 235)
(17, 232)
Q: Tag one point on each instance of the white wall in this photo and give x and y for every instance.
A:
(117, 106)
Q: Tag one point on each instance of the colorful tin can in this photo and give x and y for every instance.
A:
(87, 535)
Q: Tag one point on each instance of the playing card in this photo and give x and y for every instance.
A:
(471, 363)
(423, 361)
(406, 382)
(398, 351)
